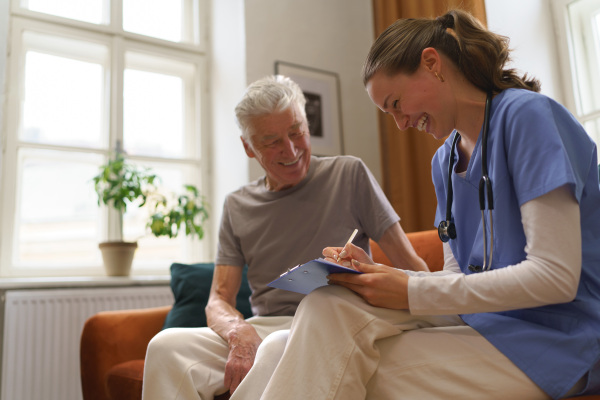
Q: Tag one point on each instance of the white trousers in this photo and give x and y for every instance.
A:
(340, 347)
(189, 363)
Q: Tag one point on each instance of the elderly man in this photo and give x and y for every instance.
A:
(285, 218)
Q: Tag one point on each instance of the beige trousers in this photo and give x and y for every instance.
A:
(189, 363)
(340, 347)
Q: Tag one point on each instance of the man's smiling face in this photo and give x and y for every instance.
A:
(280, 142)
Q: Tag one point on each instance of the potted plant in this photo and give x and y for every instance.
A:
(119, 183)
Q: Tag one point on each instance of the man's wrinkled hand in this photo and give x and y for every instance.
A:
(243, 345)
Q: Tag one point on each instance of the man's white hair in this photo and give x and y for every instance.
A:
(268, 95)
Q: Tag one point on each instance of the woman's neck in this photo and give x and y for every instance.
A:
(469, 124)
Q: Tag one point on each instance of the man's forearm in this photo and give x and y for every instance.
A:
(399, 250)
(221, 314)
(223, 318)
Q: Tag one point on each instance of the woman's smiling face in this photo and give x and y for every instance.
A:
(412, 100)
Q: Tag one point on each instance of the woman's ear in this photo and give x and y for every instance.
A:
(431, 60)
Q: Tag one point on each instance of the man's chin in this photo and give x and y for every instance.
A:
(292, 178)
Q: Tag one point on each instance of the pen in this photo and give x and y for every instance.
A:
(343, 253)
(351, 237)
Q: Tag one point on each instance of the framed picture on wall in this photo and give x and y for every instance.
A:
(323, 111)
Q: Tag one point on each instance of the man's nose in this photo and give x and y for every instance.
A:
(288, 147)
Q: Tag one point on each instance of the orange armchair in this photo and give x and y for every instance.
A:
(112, 352)
(114, 343)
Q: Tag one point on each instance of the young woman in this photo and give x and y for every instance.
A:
(516, 311)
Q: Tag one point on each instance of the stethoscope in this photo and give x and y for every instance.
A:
(447, 229)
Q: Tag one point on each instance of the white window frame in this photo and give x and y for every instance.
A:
(569, 70)
(118, 42)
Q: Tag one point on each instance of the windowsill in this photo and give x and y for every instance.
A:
(83, 282)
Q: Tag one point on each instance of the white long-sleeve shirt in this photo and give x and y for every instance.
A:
(549, 274)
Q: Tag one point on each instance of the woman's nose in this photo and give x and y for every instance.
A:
(402, 121)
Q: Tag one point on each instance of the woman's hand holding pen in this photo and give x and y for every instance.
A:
(380, 285)
(345, 255)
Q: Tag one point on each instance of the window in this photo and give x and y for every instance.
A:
(578, 28)
(83, 80)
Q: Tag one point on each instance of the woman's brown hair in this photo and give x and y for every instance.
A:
(478, 53)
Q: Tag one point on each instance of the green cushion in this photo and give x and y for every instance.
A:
(191, 286)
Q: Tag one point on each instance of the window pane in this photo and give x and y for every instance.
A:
(94, 11)
(153, 114)
(592, 127)
(63, 101)
(584, 17)
(162, 19)
(596, 30)
(57, 214)
(152, 251)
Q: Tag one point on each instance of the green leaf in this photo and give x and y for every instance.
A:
(119, 183)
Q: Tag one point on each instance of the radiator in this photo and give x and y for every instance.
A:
(42, 330)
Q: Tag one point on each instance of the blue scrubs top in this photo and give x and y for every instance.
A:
(534, 146)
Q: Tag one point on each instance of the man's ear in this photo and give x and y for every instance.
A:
(431, 60)
(247, 148)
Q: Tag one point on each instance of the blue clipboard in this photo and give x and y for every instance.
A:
(307, 277)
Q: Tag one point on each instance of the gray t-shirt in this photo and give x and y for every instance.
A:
(273, 231)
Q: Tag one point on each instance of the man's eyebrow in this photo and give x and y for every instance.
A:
(268, 137)
(296, 125)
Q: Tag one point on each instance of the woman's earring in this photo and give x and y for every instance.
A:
(439, 76)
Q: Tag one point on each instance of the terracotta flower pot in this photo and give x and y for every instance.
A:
(117, 257)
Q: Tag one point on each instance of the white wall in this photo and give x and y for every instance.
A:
(528, 24)
(332, 35)
(227, 71)
(3, 52)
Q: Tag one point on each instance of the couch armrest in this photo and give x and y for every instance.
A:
(429, 247)
(112, 337)
(427, 244)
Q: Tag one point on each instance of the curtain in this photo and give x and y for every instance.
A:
(406, 156)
